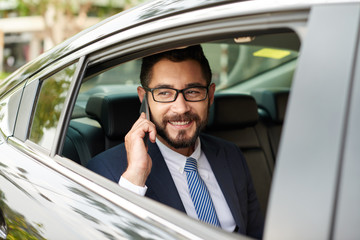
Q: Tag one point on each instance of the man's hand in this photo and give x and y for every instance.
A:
(139, 161)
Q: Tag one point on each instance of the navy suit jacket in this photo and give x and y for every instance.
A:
(227, 163)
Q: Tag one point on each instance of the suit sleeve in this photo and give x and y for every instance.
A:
(110, 164)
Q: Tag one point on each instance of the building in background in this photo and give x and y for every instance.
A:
(28, 27)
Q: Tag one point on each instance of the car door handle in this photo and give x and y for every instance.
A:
(3, 226)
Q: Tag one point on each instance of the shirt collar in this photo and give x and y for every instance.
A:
(178, 159)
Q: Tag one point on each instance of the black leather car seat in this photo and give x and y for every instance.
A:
(110, 117)
(273, 104)
(116, 114)
(234, 117)
(84, 139)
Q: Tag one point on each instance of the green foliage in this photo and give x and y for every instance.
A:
(3, 75)
(70, 7)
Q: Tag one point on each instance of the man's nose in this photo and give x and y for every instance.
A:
(180, 105)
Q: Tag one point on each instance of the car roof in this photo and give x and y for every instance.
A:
(159, 9)
(142, 14)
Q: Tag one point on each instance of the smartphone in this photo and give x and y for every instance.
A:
(145, 108)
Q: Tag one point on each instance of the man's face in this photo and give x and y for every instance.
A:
(178, 123)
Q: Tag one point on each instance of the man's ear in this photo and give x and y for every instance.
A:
(211, 93)
(141, 93)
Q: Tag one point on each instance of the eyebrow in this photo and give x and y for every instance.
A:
(187, 85)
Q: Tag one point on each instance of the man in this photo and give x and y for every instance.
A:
(178, 88)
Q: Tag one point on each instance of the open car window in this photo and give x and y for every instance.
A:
(236, 63)
(253, 77)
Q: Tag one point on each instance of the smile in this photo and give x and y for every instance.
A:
(179, 123)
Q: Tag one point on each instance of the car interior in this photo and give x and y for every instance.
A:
(253, 75)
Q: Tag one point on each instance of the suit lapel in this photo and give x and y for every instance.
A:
(161, 186)
(220, 166)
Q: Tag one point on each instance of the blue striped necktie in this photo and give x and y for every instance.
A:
(199, 194)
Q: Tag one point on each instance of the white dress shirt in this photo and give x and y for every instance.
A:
(176, 163)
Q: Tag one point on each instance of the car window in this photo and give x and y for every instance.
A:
(122, 78)
(257, 72)
(50, 103)
(239, 65)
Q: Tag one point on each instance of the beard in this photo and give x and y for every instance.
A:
(181, 140)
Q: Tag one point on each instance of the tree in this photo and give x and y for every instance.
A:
(62, 18)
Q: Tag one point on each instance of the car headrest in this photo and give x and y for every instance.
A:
(273, 101)
(116, 113)
(232, 111)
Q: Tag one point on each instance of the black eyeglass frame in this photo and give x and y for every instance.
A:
(177, 93)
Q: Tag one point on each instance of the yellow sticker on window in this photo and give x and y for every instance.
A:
(271, 53)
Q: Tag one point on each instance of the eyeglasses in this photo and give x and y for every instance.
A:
(166, 95)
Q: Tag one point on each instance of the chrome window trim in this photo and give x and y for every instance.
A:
(29, 96)
(12, 97)
(178, 33)
(29, 116)
(40, 76)
(69, 104)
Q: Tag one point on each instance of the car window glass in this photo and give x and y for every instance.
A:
(122, 78)
(49, 106)
(233, 63)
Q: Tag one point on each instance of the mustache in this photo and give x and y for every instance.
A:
(188, 116)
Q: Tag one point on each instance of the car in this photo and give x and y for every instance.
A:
(288, 94)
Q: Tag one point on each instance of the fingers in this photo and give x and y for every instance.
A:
(139, 161)
(139, 121)
(143, 126)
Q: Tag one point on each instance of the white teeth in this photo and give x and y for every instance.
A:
(179, 123)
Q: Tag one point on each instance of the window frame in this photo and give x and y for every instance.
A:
(29, 100)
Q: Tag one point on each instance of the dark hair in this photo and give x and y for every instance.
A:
(177, 55)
